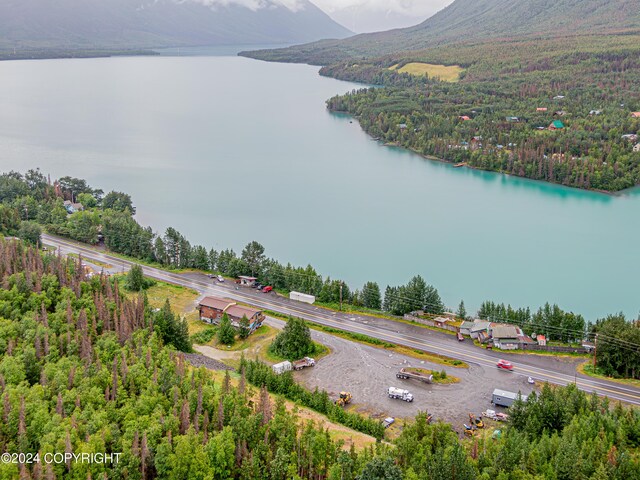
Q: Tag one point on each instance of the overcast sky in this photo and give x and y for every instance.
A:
(374, 15)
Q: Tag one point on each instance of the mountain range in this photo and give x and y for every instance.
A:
(467, 21)
(140, 24)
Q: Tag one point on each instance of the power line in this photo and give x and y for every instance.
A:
(417, 301)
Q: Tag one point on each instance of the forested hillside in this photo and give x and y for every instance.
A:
(470, 21)
(501, 114)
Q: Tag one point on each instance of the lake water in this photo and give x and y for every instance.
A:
(228, 150)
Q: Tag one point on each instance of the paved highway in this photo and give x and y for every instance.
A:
(542, 368)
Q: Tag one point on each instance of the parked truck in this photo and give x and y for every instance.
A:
(399, 393)
(406, 373)
(302, 363)
(282, 367)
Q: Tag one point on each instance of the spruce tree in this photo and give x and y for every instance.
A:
(226, 332)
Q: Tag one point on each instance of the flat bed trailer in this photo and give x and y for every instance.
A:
(302, 363)
(406, 374)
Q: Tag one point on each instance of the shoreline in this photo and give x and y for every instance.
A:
(617, 194)
(37, 54)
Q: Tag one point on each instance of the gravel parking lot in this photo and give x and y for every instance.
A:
(367, 372)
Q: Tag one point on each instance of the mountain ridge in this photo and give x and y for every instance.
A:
(472, 21)
(136, 24)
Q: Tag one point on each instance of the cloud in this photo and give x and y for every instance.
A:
(414, 8)
(293, 5)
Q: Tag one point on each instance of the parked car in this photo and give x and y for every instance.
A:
(503, 364)
(220, 278)
(460, 337)
(267, 289)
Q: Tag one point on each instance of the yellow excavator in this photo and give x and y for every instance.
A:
(476, 422)
(345, 398)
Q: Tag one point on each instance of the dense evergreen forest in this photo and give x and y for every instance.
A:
(84, 370)
(31, 202)
(499, 115)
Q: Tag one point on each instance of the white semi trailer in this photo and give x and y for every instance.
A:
(302, 297)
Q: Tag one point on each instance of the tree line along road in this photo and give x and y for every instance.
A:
(542, 368)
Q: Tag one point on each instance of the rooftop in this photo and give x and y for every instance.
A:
(239, 311)
(504, 331)
(215, 302)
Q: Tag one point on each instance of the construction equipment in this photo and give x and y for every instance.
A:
(305, 362)
(406, 373)
(400, 394)
(344, 399)
(469, 430)
(476, 422)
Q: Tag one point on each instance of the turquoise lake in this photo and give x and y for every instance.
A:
(228, 150)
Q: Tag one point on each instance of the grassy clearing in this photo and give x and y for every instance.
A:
(182, 299)
(443, 72)
(586, 368)
(438, 377)
(265, 332)
(254, 346)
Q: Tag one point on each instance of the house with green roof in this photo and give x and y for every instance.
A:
(556, 125)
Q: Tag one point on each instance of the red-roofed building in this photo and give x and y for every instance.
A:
(541, 109)
(464, 118)
(635, 114)
(542, 340)
(212, 309)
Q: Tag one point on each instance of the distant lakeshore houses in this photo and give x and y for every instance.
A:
(636, 147)
(71, 207)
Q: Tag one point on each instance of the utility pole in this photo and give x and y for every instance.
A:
(595, 351)
(340, 296)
